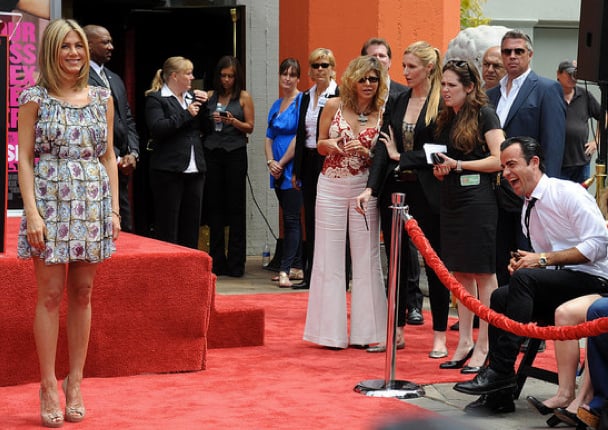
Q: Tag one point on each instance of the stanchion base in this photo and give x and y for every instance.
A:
(395, 389)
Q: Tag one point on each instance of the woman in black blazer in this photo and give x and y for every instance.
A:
(411, 120)
(175, 117)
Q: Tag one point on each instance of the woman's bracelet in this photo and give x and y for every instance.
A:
(117, 214)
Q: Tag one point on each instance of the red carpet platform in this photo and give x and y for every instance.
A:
(153, 312)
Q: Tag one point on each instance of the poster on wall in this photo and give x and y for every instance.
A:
(3, 139)
(21, 25)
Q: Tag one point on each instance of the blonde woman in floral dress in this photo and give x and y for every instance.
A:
(69, 184)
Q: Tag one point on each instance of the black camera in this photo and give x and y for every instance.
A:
(437, 158)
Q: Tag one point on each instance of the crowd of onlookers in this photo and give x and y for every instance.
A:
(542, 256)
(338, 151)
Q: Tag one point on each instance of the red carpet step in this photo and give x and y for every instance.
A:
(152, 306)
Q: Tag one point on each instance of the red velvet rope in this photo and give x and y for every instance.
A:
(589, 328)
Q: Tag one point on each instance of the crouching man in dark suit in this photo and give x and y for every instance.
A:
(569, 238)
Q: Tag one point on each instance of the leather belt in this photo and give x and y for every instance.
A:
(405, 176)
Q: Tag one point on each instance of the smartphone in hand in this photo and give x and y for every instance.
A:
(437, 158)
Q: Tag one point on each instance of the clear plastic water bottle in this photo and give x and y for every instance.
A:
(219, 125)
(266, 255)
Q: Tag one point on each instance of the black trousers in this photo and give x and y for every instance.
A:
(225, 205)
(178, 198)
(409, 292)
(124, 202)
(533, 295)
(312, 163)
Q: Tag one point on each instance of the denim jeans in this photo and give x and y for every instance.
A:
(290, 201)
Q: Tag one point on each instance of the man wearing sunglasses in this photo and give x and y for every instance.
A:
(527, 105)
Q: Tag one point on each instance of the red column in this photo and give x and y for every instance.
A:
(343, 26)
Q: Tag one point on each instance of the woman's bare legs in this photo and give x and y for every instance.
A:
(465, 318)
(51, 283)
(486, 284)
(439, 341)
(80, 286)
(585, 392)
(567, 353)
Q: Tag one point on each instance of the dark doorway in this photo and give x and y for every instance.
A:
(145, 35)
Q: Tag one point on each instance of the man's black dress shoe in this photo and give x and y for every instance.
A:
(539, 406)
(491, 404)
(300, 286)
(414, 317)
(487, 381)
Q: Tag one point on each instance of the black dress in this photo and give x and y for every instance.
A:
(468, 211)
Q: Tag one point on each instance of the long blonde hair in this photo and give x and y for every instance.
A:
(171, 65)
(51, 73)
(357, 69)
(429, 55)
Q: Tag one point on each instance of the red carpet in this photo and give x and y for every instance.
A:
(285, 384)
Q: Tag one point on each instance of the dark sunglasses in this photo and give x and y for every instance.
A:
(369, 79)
(461, 64)
(322, 65)
(518, 51)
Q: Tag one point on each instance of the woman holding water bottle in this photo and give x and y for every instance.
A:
(232, 118)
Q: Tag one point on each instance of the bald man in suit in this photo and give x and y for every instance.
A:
(126, 138)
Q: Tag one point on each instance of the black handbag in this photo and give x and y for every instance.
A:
(505, 196)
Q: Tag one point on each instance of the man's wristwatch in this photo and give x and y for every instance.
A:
(542, 261)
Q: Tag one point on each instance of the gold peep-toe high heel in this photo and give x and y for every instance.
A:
(53, 419)
(73, 414)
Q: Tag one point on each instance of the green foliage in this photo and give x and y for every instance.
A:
(471, 14)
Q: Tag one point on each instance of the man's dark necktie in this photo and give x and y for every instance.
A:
(531, 204)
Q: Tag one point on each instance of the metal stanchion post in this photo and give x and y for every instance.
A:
(389, 386)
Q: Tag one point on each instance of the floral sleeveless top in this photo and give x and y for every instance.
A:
(340, 166)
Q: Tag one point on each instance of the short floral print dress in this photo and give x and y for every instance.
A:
(71, 186)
